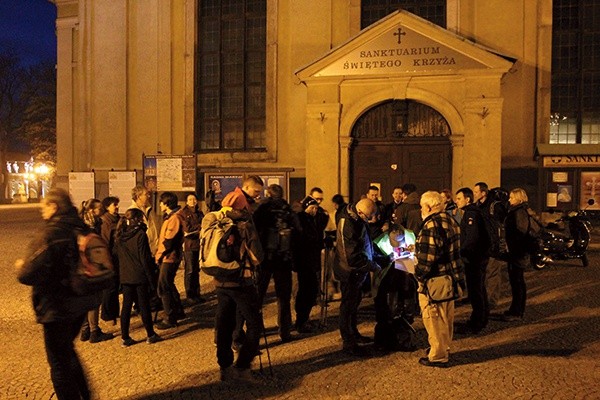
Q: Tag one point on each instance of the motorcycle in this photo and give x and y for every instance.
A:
(571, 243)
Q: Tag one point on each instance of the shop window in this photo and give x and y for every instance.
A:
(373, 10)
(231, 76)
(575, 103)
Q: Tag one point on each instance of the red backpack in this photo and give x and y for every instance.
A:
(94, 271)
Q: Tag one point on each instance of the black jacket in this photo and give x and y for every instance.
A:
(474, 241)
(135, 260)
(354, 248)
(47, 268)
(517, 240)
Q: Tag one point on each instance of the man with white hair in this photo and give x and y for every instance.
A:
(438, 253)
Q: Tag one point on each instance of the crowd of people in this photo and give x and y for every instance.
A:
(280, 241)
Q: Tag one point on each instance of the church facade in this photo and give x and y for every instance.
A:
(401, 100)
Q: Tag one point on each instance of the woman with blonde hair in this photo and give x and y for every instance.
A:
(517, 239)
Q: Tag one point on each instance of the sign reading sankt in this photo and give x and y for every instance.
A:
(399, 50)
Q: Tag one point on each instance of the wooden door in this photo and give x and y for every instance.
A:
(426, 162)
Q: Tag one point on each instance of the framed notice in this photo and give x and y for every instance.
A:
(170, 173)
(82, 186)
(120, 184)
(275, 179)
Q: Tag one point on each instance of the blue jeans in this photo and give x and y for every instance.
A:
(191, 279)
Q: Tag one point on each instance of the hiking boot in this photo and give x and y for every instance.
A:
(128, 342)
(99, 336)
(162, 325)
(85, 334)
(305, 327)
(245, 375)
(227, 374)
(153, 339)
(362, 339)
(355, 351)
(439, 364)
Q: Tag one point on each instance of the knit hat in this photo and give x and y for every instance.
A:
(308, 201)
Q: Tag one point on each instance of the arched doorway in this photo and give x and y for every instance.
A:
(397, 142)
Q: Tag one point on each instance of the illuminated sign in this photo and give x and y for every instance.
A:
(572, 161)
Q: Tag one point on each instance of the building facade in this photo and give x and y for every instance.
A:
(332, 103)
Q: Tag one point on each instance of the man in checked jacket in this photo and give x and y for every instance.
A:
(438, 253)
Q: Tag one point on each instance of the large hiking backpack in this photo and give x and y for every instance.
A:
(94, 271)
(279, 237)
(220, 245)
(494, 223)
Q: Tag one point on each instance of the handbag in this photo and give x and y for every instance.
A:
(441, 288)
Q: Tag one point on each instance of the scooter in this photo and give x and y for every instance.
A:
(564, 244)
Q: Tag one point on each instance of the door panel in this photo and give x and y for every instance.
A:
(426, 162)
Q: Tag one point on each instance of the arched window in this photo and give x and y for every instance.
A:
(398, 119)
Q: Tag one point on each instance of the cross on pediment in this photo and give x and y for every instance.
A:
(400, 33)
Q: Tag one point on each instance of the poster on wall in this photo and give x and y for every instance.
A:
(564, 194)
(590, 189)
(120, 184)
(82, 186)
(170, 173)
(222, 184)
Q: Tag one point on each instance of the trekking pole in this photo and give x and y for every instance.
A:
(267, 349)
(264, 334)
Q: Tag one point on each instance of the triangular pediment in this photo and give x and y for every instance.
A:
(401, 44)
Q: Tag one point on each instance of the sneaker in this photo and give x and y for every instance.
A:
(153, 339)
(98, 336)
(85, 334)
(162, 325)
(128, 342)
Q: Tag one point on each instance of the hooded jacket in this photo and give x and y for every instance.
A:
(47, 267)
(135, 261)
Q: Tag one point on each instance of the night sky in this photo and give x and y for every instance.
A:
(28, 28)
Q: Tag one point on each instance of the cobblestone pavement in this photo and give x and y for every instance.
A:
(553, 354)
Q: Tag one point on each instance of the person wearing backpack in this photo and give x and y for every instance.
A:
(483, 199)
(136, 272)
(276, 225)
(47, 268)
(474, 245)
(519, 246)
(91, 211)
